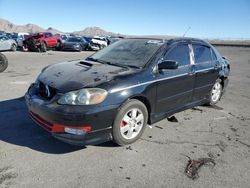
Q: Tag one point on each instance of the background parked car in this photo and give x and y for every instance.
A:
(75, 44)
(64, 38)
(91, 46)
(42, 41)
(7, 44)
(101, 41)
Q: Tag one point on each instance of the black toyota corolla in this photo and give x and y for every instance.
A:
(116, 92)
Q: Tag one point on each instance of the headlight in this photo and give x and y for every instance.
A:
(77, 45)
(84, 97)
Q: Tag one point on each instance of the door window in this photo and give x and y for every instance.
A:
(202, 53)
(180, 54)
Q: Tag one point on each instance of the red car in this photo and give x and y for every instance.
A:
(42, 41)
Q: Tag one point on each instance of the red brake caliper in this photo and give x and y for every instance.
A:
(123, 123)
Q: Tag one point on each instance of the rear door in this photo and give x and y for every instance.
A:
(175, 87)
(206, 70)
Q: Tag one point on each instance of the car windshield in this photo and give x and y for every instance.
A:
(128, 52)
(73, 39)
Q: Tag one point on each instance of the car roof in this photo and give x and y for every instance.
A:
(170, 41)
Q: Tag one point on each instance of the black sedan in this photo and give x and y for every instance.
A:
(115, 93)
(75, 44)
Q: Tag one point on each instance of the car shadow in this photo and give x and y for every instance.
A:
(17, 128)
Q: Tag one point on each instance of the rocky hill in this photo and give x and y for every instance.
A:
(7, 26)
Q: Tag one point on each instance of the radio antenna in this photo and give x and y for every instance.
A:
(186, 31)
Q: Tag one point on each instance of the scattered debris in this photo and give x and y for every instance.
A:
(128, 178)
(248, 145)
(158, 127)
(187, 118)
(172, 119)
(150, 136)
(197, 109)
(121, 167)
(216, 107)
(211, 155)
(222, 146)
(129, 148)
(195, 146)
(150, 126)
(233, 129)
(143, 165)
(193, 166)
(220, 118)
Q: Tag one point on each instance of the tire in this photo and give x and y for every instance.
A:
(3, 62)
(58, 45)
(13, 47)
(80, 49)
(131, 116)
(43, 47)
(215, 93)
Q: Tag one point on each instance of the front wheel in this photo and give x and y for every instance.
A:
(130, 122)
(215, 93)
(43, 47)
(3, 62)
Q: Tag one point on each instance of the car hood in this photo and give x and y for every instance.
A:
(74, 75)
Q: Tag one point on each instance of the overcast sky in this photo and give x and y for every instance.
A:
(207, 18)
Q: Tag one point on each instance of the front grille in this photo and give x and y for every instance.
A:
(46, 91)
(42, 122)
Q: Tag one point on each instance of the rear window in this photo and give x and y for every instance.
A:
(201, 53)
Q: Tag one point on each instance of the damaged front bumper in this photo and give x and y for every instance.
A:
(77, 125)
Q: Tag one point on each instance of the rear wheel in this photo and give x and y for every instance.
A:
(58, 45)
(130, 122)
(13, 47)
(80, 49)
(215, 93)
(3, 62)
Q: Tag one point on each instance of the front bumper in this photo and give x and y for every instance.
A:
(54, 118)
(71, 48)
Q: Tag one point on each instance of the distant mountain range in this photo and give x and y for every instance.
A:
(7, 26)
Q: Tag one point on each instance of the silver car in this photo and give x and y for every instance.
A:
(7, 44)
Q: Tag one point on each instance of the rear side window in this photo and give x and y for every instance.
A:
(180, 54)
(201, 53)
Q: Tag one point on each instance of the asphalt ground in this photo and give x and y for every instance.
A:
(30, 157)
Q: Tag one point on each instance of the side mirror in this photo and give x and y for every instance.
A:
(168, 64)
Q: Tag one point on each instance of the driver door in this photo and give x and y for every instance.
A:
(175, 87)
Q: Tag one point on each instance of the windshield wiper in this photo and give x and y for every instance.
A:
(104, 62)
(132, 66)
(92, 59)
(114, 64)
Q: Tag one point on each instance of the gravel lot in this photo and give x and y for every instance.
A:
(30, 157)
